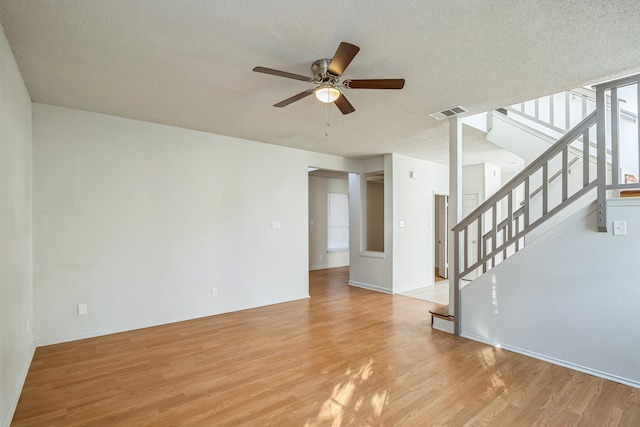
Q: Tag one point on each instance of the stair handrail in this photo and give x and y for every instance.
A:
(532, 167)
(515, 229)
(553, 177)
(584, 93)
(591, 95)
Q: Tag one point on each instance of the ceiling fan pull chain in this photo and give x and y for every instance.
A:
(326, 119)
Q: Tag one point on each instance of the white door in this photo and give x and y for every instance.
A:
(469, 203)
(442, 230)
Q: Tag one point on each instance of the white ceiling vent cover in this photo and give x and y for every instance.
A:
(444, 114)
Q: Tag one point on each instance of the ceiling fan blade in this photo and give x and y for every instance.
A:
(344, 105)
(282, 74)
(374, 84)
(294, 98)
(342, 58)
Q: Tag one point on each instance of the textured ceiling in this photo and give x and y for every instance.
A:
(189, 63)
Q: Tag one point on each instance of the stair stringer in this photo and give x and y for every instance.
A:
(571, 298)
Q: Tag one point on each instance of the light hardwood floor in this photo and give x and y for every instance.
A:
(344, 357)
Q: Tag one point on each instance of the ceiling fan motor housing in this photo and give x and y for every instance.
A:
(320, 72)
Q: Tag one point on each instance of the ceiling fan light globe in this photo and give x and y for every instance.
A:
(327, 94)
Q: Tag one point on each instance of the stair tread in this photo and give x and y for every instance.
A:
(441, 311)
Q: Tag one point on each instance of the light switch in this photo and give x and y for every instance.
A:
(619, 228)
(82, 309)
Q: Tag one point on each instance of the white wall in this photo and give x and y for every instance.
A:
(16, 284)
(140, 221)
(408, 258)
(414, 219)
(492, 179)
(482, 179)
(571, 298)
(319, 188)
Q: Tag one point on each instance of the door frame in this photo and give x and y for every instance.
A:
(441, 233)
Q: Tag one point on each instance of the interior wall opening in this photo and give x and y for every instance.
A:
(328, 222)
(374, 236)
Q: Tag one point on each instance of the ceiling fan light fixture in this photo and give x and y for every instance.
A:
(327, 94)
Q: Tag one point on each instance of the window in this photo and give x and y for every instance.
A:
(338, 222)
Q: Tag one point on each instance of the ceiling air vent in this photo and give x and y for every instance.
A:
(455, 111)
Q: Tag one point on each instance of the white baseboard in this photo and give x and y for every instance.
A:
(128, 328)
(326, 266)
(559, 362)
(370, 287)
(13, 404)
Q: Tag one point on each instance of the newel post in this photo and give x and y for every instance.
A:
(601, 120)
(454, 216)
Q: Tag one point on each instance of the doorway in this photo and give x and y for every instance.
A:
(441, 234)
(441, 237)
(328, 221)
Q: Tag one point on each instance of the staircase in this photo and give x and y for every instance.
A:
(591, 158)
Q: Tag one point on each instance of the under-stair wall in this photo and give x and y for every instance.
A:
(571, 298)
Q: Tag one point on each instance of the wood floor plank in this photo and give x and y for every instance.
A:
(344, 357)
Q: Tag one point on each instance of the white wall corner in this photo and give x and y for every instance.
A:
(15, 397)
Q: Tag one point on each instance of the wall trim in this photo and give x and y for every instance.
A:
(559, 362)
(153, 324)
(370, 287)
(626, 201)
(372, 254)
(325, 267)
(13, 404)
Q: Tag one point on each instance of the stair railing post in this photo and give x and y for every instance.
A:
(567, 111)
(455, 215)
(456, 283)
(615, 137)
(601, 179)
(637, 121)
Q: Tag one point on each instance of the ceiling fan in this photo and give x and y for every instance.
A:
(326, 75)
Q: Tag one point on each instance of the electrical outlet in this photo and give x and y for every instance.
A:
(214, 292)
(82, 309)
(275, 224)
